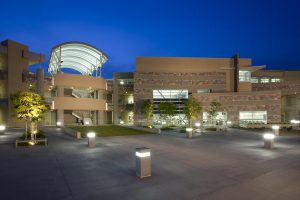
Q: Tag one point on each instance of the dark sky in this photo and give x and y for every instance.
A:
(266, 31)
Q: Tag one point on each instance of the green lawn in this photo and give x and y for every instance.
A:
(108, 130)
(282, 132)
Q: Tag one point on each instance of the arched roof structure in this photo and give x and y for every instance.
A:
(78, 56)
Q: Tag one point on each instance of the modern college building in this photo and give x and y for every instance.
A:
(248, 94)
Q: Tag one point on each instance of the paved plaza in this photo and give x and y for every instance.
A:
(212, 166)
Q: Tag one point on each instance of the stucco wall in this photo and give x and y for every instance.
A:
(79, 81)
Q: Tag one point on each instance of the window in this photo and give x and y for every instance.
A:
(244, 76)
(253, 117)
(203, 90)
(130, 99)
(222, 116)
(265, 80)
(254, 80)
(170, 94)
(275, 80)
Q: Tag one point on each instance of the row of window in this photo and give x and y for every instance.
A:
(245, 76)
(170, 94)
(265, 80)
(244, 116)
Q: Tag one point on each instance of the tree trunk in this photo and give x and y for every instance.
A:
(26, 129)
(33, 130)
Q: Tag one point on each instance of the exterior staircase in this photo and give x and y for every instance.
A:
(83, 116)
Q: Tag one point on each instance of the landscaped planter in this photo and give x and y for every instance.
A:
(72, 132)
(150, 130)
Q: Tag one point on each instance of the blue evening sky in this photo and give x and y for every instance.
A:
(268, 31)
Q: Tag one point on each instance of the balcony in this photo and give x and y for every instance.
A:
(70, 103)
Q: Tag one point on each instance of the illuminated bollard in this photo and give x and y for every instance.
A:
(269, 140)
(228, 124)
(91, 139)
(275, 129)
(189, 132)
(58, 124)
(197, 125)
(2, 128)
(143, 162)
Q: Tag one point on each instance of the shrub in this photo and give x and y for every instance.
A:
(211, 129)
(39, 134)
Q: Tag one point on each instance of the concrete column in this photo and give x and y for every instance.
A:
(60, 116)
(101, 117)
(60, 91)
(60, 112)
(40, 81)
(115, 100)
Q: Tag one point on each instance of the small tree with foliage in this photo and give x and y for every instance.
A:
(192, 110)
(147, 110)
(29, 107)
(213, 111)
(166, 110)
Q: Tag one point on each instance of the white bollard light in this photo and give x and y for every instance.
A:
(197, 125)
(2, 128)
(91, 139)
(276, 129)
(58, 124)
(189, 132)
(269, 140)
(143, 162)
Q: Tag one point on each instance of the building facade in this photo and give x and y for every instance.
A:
(77, 94)
(229, 81)
(15, 59)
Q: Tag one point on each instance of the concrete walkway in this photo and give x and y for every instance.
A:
(211, 166)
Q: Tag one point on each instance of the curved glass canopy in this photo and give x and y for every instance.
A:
(78, 56)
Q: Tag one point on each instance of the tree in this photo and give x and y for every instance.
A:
(214, 107)
(166, 109)
(192, 109)
(147, 110)
(30, 107)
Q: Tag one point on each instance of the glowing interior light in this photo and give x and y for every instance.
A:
(163, 123)
(142, 154)
(122, 82)
(87, 123)
(189, 129)
(269, 136)
(121, 122)
(91, 135)
(2, 127)
(275, 127)
(293, 121)
(58, 123)
(229, 122)
(197, 124)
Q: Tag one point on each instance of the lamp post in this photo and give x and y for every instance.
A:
(269, 140)
(91, 139)
(276, 129)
